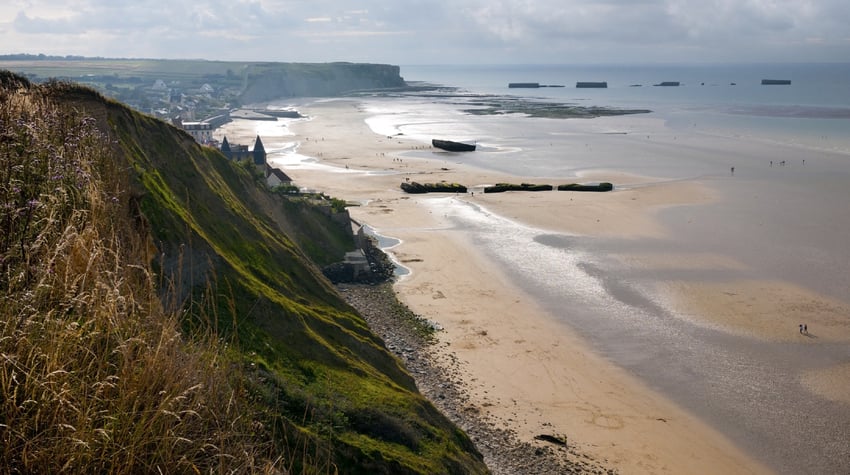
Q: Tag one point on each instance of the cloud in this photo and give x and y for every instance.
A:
(664, 29)
(433, 31)
(25, 24)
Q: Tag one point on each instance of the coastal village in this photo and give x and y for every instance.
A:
(274, 176)
(202, 132)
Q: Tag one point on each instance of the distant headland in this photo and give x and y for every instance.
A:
(195, 89)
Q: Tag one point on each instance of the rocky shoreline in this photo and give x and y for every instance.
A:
(411, 338)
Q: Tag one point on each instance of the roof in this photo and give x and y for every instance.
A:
(279, 174)
(258, 145)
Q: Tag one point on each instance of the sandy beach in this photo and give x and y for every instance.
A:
(525, 369)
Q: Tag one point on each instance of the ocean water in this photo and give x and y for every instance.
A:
(813, 85)
(782, 222)
(812, 112)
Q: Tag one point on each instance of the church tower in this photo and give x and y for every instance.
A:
(225, 148)
(259, 153)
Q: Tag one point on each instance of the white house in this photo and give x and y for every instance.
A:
(201, 131)
(276, 177)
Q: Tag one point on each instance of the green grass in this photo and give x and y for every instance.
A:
(122, 68)
(188, 72)
(96, 376)
(228, 314)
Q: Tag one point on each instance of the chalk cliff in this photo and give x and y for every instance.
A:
(270, 81)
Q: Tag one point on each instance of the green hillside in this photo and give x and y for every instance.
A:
(200, 313)
(172, 88)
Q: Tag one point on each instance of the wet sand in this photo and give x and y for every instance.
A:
(523, 363)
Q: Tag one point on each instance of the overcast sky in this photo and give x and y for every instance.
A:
(433, 31)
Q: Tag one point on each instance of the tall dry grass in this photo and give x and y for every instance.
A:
(94, 374)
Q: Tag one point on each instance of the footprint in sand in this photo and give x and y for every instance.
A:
(608, 421)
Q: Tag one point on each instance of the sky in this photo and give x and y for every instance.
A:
(410, 32)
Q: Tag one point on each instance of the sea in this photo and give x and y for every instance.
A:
(724, 98)
(778, 158)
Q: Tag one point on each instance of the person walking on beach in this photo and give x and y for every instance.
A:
(806, 328)
(733, 171)
(801, 329)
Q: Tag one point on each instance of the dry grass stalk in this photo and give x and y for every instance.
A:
(94, 373)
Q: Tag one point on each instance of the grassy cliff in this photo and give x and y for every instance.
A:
(156, 315)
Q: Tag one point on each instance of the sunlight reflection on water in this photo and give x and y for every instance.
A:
(529, 252)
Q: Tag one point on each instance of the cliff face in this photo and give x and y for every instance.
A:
(272, 81)
(330, 395)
